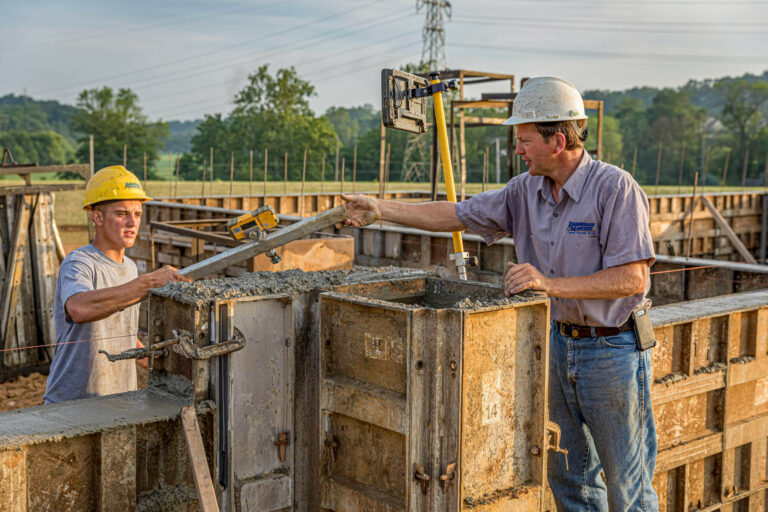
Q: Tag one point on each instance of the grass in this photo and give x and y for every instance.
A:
(69, 210)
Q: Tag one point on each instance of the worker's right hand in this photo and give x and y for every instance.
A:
(362, 210)
(161, 276)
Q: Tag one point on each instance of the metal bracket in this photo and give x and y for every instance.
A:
(463, 260)
(182, 344)
(187, 348)
(421, 92)
(282, 442)
(448, 476)
(157, 350)
(332, 443)
(553, 430)
(421, 477)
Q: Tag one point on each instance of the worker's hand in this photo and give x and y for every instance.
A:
(521, 277)
(161, 276)
(363, 210)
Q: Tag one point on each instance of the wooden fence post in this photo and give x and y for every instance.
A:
(658, 170)
(303, 179)
(250, 175)
(266, 158)
(682, 165)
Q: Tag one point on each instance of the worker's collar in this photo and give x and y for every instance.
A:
(575, 184)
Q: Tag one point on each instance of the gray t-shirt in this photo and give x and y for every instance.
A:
(601, 221)
(78, 370)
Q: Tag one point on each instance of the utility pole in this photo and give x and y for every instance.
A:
(433, 32)
(417, 160)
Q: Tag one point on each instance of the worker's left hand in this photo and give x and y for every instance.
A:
(524, 276)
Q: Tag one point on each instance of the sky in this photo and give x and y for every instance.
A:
(188, 58)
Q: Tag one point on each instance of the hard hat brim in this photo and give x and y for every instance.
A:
(516, 120)
(123, 197)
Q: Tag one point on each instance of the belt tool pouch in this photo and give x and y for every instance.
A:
(641, 323)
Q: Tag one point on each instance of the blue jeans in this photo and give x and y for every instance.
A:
(600, 395)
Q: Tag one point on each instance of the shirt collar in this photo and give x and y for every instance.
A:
(575, 184)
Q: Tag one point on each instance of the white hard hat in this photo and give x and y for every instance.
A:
(547, 99)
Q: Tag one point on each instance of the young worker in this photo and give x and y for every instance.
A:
(581, 231)
(97, 294)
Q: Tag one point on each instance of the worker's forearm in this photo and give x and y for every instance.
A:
(431, 216)
(610, 283)
(99, 304)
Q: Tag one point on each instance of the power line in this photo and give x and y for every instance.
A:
(613, 22)
(326, 76)
(208, 53)
(311, 61)
(619, 55)
(634, 3)
(175, 76)
(121, 29)
(581, 28)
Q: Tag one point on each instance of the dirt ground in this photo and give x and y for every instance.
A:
(28, 391)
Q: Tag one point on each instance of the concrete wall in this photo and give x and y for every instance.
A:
(119, 453)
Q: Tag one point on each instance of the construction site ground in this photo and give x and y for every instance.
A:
(27, 391)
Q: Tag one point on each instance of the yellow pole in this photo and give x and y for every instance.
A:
(445, 156)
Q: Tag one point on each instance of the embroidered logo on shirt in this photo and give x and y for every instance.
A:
(581, 228)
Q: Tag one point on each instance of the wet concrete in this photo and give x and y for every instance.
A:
(291, 282)
(671, 378)
(712, 368)
(168, 499)
(715, 306)
(73, 418)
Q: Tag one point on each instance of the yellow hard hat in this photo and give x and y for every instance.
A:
(113, 183)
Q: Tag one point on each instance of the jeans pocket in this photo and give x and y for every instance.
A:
(624, 340)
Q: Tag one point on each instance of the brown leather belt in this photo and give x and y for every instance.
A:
(583, 331)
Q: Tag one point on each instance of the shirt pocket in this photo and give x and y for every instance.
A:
(583, 236)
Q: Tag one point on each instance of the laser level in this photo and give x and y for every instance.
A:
(254, 225)
(403, 107)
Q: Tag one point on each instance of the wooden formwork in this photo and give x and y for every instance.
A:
(427, 405)
(28, 270)
(30, 245)
(123, 452)
(377, 245)
(670, 217)
(710, 397)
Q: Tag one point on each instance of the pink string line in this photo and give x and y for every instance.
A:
(63, 343)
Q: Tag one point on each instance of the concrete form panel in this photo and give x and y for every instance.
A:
(13, 480)
(458, 364)
(708, 400)
(117, 486)
(52, 485)
(267, 495)
(261, 407)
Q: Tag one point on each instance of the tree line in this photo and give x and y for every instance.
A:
(711, 124)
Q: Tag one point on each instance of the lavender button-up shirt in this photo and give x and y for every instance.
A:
(600, 221)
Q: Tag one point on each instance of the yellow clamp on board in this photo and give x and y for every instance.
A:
(253, 224)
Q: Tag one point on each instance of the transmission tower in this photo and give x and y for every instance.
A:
(416, 159)
(433, 33)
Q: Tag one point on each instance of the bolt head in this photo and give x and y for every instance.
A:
(535, 450)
